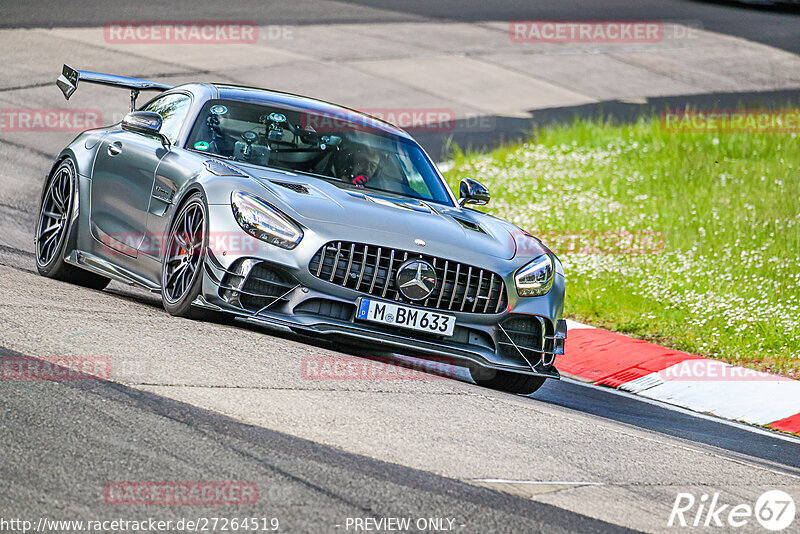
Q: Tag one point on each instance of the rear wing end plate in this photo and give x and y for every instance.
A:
(68, 82)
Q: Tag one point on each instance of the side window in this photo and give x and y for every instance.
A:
(173, 109)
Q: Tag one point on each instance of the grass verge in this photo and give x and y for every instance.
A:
(691, 240)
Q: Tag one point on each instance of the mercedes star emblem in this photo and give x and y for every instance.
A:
(416, 279)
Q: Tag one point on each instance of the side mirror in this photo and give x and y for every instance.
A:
(472, 192)
(145, 123)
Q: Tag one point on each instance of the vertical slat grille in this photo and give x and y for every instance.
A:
(455, 287)
(438, 282)
(372, 270)
(336, 261)
(350, 264)
(388, 274)
(466, 289)
(375, 269)
(363, 265)
(443, 284)
(478, 294)
(488, 299)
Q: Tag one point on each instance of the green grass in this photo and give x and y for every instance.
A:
(725, 281)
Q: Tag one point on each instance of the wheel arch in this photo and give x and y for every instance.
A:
(190, 189)
(81, 152)
(61, 157)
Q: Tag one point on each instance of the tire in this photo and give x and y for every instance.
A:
(509, 382)
(185, 250)
(52, 229)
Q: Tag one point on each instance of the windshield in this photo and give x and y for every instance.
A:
(345, 151)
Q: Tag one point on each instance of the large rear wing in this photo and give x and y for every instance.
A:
(68, 82)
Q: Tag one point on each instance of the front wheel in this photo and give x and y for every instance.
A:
(509, 382)
(182, 269)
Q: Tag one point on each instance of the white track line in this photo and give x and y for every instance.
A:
(535, 482)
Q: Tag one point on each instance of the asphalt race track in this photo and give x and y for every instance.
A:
(115, 430)
(190, 401)
(770, 25)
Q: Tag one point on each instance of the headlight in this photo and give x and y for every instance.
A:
(536, 278)
(264, 222)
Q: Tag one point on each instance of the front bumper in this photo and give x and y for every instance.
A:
(273, 287)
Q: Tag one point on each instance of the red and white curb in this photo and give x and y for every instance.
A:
(699, 384)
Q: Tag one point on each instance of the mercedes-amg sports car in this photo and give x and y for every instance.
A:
(297, 214)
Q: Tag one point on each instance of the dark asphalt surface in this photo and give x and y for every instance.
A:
(776, 26)
(62, 442)
(632, 411)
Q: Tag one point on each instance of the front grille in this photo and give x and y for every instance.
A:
(372, 270)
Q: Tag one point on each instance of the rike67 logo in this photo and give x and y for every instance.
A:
(774, 510)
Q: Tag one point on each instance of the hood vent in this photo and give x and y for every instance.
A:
(469, 225)
(408, 205)
(297, 188)
(222, 169)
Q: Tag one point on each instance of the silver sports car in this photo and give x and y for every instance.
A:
(297, 214)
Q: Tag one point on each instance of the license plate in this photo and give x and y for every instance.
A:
(406, 317)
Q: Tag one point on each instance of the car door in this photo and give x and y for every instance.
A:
(123, 176)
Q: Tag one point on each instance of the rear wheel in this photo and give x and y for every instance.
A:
(182, 270)
(509, 382)
(52, 228)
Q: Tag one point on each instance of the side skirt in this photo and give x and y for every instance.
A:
(103, 267)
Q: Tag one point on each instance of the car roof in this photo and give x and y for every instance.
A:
(279, 98)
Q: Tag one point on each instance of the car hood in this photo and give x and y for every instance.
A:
(447, 231)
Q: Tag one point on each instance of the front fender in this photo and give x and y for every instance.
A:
(82, 150)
